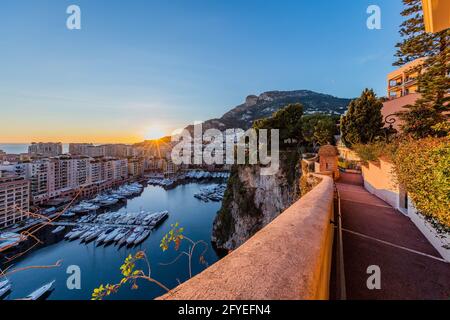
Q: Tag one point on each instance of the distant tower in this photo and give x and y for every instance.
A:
(328, 155)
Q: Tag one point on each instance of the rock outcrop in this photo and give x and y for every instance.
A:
(253, 200)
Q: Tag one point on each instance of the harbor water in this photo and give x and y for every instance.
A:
(100, 265)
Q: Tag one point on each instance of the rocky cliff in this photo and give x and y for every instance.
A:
(252, 200)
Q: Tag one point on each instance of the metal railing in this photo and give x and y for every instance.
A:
(341, 292)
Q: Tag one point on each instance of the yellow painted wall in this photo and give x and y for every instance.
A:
(436, 15)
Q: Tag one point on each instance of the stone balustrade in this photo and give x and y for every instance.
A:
(289, 259)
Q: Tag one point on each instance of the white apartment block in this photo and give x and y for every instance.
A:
(135, 167)
(95, 171)
(38, 173)
(60, 176)
(120, 169)
(14, 200)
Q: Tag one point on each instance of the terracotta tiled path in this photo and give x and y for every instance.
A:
(376, 234)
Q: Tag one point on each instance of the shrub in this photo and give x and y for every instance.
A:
(422, 167)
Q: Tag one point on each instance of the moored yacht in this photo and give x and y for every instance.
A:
(35, 295)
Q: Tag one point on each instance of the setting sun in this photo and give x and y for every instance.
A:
(154, 133)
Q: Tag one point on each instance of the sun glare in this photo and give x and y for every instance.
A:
(154, 133)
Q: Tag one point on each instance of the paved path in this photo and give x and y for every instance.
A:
(376, 234)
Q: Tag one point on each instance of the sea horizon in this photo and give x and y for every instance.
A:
(17, 148)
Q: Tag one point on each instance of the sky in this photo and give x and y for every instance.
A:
(139, 69)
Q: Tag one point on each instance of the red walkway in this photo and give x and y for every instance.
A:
(376, 234)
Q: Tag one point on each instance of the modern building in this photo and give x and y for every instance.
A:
(116, 150)
(135, 167)
(403, 81)
(169, 168)
(14, 200)
(120, 169)
(66, 175)
(402, 90)
(95, 151)
(39, 173)
(436, 15)
(79, 149)
(49, 149)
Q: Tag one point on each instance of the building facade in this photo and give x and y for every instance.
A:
(14, 200)
(135, 167)
(49, 149)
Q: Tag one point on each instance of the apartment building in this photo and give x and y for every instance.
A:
(436, 15)
(120, 169)
(116, 150)
(153, 164)
(169, 168)
(403, 81)
(49, 149)
(14, 200)
(95, 171)
(107, 150)
(95, 151)
(402, 90)
(135, 167)
(79, 149)
(67, 175)
(38, 173)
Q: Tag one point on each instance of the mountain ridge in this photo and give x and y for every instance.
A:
(264, 105)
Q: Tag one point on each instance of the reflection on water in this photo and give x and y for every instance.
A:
(100, 265)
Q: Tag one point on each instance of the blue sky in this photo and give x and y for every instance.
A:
(141, 67)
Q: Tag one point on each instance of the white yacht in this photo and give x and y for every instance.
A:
(58, 229)
(35, 295)
(132, 238)
(144, 235)
(4, 290)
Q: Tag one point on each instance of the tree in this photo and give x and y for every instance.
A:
(433, 82)
(363, 122)
(318, 129)
(288, 120)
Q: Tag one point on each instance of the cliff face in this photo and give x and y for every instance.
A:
(252, 200)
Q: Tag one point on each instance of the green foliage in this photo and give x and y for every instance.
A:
(363, 122)
(422, 120)
(319, 129)
(433, 81)
(287, 120)
(175, 236)
(307, 183)
(373, 151)
(129, 275)
(422, 167)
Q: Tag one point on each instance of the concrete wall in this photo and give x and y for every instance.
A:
(396, 105)
(378, 180)
(440, 241)
(289, 259)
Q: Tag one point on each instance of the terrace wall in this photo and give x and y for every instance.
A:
(289, 259)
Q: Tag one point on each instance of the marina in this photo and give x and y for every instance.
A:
(195, 176)
(123, 229)
(211, 193)
(114, 227)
